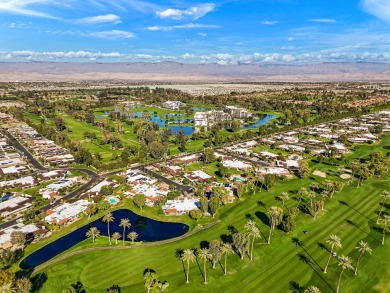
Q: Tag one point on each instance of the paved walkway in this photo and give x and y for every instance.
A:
(58, 259)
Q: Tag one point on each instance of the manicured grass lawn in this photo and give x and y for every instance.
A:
(274, 266)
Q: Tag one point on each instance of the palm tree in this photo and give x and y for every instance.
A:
(301, 193)
(334, 241)
(253, 232)
(312, 289)
(188, 256)
(346, 264)
(150, 278)
(226, 249)
(386, 220)
(132, 236)
(363, 247)
(116, 236)
(385, 195)
(107, 219)
(125, 223)
(93, 233)
(276, 215)
(205, 255)
(284, 197)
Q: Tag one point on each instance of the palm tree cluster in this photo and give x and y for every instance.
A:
(94, 232)
(345, 262)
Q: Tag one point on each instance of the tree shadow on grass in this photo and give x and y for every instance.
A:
(353, 224)
(295, 287)
(249, 217)
(344, 203)
(262, 204)
(304, 259)
(178, 254)
(37, 281)
(301, 244)
(262, 217)
(232, 229)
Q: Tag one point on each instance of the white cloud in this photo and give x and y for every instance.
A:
(323, 20)
(378, 8)
(112, 34)
(290, 39)
(202, 34)
(181, 26)
(107, 18)
(58, 55)
(269, 22)
(194, 12)
(22, 7)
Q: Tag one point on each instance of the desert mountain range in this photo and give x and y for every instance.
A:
(179, 72)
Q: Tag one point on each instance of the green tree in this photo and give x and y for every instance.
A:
(91, 210)
(208, 155)
(196, 214)
(116, 236)
(157, 149)
(93, 233)
(363, 247)
(303, 169)
(108, 218)
(215, 250)
(107, 190)
(226, 249)
(204, 255)
(23, 285)
(214, 205)
(385, 196)
(385, 220)
(204, 204)
(125, 223)
(7, 281)
(335, 242)
(254, 232)
(241, 243)
(345, 263)
(132, 236)
(18, 238)
(139, 200)
(275, 218)
(283, 198)
(188, 256)
(222, 194)
(150, 279)
(236, 125)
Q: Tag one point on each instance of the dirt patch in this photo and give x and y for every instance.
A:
(345, 176)
(319, 174)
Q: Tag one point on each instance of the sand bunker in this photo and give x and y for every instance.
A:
(345, 176)
(319, 174)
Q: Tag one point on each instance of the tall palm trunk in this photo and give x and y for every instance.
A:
(327, 263)
(384, 233)
(124, 228)
(205, 274)
(253, 241)
(380, 213)
(225, 264)
(108, 230)
(338, 284)
(269, 236)
(188, 271)
(358, 261)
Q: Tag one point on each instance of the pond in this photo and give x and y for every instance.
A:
(148, 230)
(263, 119)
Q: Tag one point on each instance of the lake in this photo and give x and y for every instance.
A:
(148, 230)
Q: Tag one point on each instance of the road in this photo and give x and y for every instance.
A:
(258, 163)
(36, 164)
(166, 180)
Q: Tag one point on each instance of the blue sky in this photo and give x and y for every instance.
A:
(224, 32)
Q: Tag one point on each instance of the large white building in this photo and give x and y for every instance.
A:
(236, 112)
(174, 105)
(209, 118)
